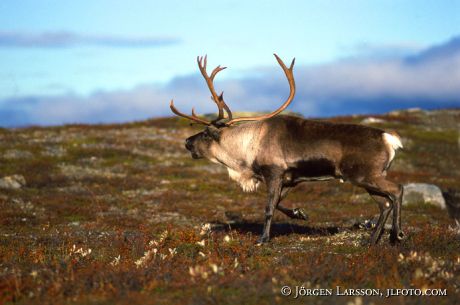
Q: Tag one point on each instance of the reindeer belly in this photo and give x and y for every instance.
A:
(311, 170)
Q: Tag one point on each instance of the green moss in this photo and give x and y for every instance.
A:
(442, 136)
(183, 194)
(347, 249)
(189, 250)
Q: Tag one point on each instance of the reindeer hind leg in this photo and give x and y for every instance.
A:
(385, 207)
(389, 196)
(296, 213)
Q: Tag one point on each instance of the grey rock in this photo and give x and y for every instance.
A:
(13, 182)
(414, 109)
(405, 111)
(372, 120)
(415, 193)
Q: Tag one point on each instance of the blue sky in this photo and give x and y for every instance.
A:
(104, 61)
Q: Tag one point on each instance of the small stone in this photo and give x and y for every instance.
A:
(372, 120)
(415, 193)
(402, 112)
(13, 182)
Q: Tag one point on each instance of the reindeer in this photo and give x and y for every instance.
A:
(282, 151)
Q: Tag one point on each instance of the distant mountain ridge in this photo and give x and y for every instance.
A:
(437, 52)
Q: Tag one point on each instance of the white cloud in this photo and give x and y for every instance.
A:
(429, 79)
(70, 39)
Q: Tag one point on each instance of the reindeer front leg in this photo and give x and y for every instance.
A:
(274, 186)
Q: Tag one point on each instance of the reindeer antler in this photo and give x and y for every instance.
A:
(193, 117)
(290, 77)
(219, 99)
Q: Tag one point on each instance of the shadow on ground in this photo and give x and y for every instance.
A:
(279, 229)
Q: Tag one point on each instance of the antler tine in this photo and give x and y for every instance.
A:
(281, 63)
(227, 109)
(292, 64)
(196, 117)
(221, 103)
(290, 77)
(193, 117)
(202, 63)
(215, 71)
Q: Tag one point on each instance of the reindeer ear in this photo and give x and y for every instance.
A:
(213, 132)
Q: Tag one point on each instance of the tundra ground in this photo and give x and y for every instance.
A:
(122, 214)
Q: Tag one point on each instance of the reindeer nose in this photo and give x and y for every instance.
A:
(188, 144)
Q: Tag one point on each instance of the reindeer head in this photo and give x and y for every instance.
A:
(200, 144)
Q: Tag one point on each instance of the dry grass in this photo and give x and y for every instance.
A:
(121, 214)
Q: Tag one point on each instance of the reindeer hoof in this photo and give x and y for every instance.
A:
(397, 237)
(300, 214)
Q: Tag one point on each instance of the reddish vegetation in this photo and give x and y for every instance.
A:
(117, 214)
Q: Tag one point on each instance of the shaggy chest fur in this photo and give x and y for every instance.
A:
(239, 147)
(245, 179)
